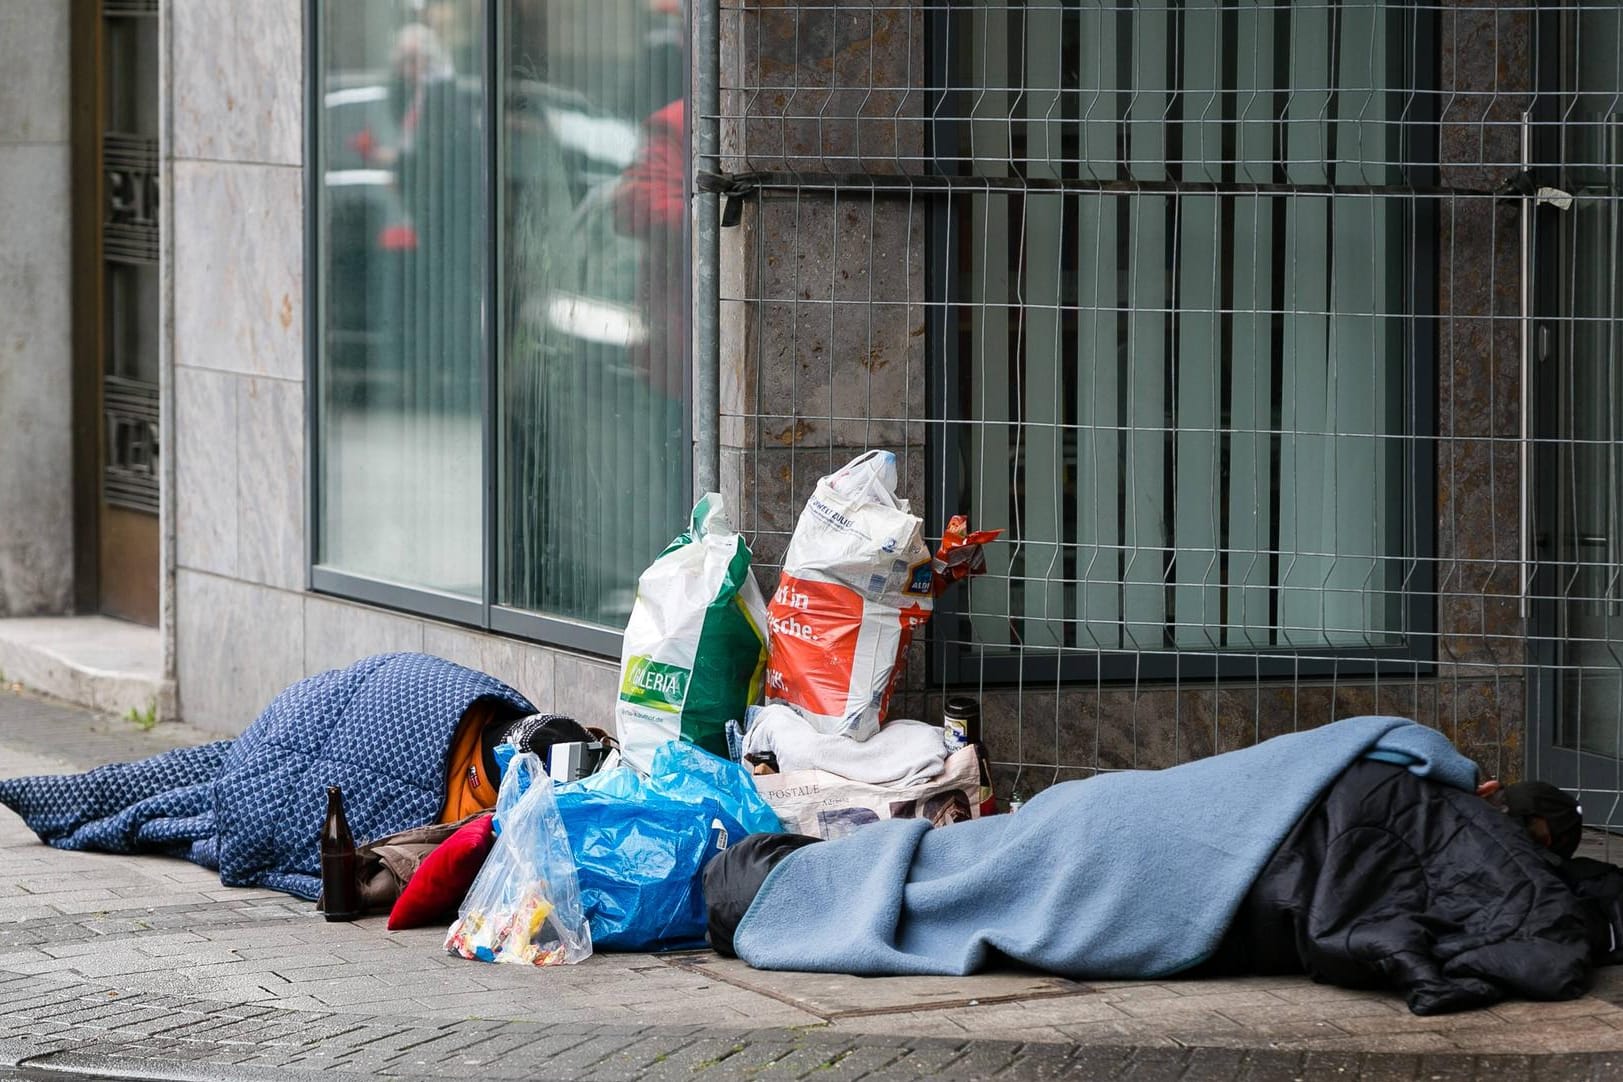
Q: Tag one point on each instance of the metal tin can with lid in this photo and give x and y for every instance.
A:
(966, 710)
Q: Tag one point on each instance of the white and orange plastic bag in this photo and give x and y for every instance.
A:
(856, 584)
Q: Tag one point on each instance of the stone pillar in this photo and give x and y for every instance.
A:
(36, 348)
(822, 313)
(236, 281)
(1485, 86)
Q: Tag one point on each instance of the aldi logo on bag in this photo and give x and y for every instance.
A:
(655, 684)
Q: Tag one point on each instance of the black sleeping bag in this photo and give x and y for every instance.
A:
(1394, 881)
(733, 878)
(1599, 887)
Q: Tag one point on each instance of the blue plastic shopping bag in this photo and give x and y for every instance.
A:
(641, 843)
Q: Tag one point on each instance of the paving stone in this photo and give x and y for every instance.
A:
(1571, 1068)
(661, 1057)
(809, 1056)
(1332, 1066)
(1270, 1066)
(1098, 1062)
(1216, 1065)
(1148, 1064)
(1205, 1003)
(1389, 1042)
(984, 1059)
(934, 1059)
(1266, 1034)
(861, 1061)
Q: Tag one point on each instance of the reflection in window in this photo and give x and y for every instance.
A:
(403, 218)
(583, 340)
(593, 374)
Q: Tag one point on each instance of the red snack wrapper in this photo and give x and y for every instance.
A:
(960, 555)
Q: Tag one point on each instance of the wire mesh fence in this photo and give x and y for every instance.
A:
(1280, 338)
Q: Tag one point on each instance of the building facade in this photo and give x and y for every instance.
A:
(1280, 339)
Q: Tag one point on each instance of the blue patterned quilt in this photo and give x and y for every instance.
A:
(253, 807)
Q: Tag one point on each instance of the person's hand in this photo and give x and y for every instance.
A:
(1489, 787)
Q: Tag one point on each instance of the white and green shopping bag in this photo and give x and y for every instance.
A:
(695, 647)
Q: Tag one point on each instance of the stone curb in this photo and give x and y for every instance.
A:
(207, 1041)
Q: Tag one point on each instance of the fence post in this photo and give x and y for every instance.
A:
(706, 124)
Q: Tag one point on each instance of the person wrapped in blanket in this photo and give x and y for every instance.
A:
(472, 780)
(1554, 819)
(1273, 932)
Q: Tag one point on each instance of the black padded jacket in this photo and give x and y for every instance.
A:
(1398, 882)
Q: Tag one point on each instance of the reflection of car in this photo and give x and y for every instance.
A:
(587, 304)
(595, 147)
(583, 409)
(405, 236)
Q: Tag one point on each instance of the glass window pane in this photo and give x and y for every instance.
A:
(592, 366)
(402, 224)
(1183, 399)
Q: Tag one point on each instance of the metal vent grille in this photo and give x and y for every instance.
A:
(130, 167)
(116, 8)
(130, 422)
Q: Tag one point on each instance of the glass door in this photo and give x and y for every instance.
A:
(118, 307)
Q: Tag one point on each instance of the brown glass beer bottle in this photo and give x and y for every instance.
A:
(340, 889)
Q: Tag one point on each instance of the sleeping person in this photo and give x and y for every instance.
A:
(1358, 853)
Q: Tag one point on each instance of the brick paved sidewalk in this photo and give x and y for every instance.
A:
(124, 965)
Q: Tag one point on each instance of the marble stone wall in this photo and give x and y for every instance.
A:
(822, 293)
(36, 459)
(245, 626)
(235, 212)
(1487, 69)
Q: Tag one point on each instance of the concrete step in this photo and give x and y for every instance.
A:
(94, 661)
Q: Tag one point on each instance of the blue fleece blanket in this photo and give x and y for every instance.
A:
(1129, 875)
(253, 807)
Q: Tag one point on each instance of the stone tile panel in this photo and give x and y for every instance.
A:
(34, 55)
(239, 268)
(337, 633)
(271, 482)
(586, 689)
(36, 565)
(238, 80)
(205, 427)
(237, 645)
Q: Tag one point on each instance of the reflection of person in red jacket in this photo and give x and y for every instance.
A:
(650, 204)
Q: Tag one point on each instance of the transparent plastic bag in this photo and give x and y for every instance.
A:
(524, 906)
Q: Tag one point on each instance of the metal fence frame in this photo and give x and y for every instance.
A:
(803, 84)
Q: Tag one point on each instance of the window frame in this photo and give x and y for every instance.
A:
(483, 613)
(953, 662)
